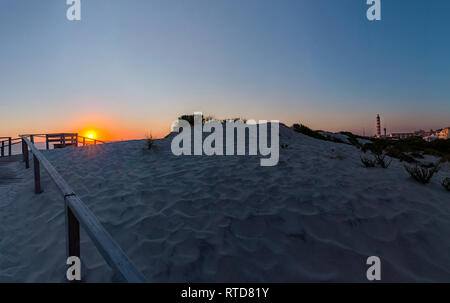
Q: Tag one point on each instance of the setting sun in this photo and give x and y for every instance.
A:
(91, 136)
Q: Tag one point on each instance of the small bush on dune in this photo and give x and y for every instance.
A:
(394, 153)
(205, 119)
(422, 174)
(240, 119)
(208, 119)
(377, 146)
(149, 142)
(368, 162)
(381, 160)
(353, 139)
(446, 183)
(188, 118)
(243, 120)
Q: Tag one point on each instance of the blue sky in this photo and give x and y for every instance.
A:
(132, 66)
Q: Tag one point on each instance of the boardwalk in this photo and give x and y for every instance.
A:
(26, 215)
(8, 174)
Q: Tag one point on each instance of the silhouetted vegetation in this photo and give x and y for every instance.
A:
(317, 134)
(414, 145)
(303, 129)
(149, 142)
(235, 120)
(208, 119)
(368, 162)
(422, 174)
(205, 119)
(353, 139)
(393, 153)
(380, 157)
(188, 118)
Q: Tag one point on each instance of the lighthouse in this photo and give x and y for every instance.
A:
(378, 126)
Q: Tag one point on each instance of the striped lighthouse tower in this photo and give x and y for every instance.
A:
(378, 126)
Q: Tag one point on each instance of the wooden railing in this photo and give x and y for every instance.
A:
(78, 213)
(8, 142)
(64, 139)
(87, 140)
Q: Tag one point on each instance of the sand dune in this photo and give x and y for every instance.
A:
(316, 216)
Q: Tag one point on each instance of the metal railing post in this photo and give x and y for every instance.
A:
(3, 149)
(10, 145)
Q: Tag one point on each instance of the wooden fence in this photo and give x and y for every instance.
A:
(77, 213)
(61, 140)
(7, 143)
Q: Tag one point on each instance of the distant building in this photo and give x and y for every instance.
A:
(444, 134)
(430, 133)
(430, 138)
(419, 133)
(402, 135)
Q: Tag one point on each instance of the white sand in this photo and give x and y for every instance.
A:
(316, 216)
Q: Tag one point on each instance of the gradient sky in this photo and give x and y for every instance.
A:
(130, 67)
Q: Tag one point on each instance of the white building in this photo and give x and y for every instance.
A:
(444, 134)
(431, 138)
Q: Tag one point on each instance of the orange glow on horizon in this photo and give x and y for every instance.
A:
(109, 130)
(109, 127)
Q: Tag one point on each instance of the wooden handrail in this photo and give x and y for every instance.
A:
(82, 139)
(9, 145)
(77, 212)
(51, 134)
(91, 139)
